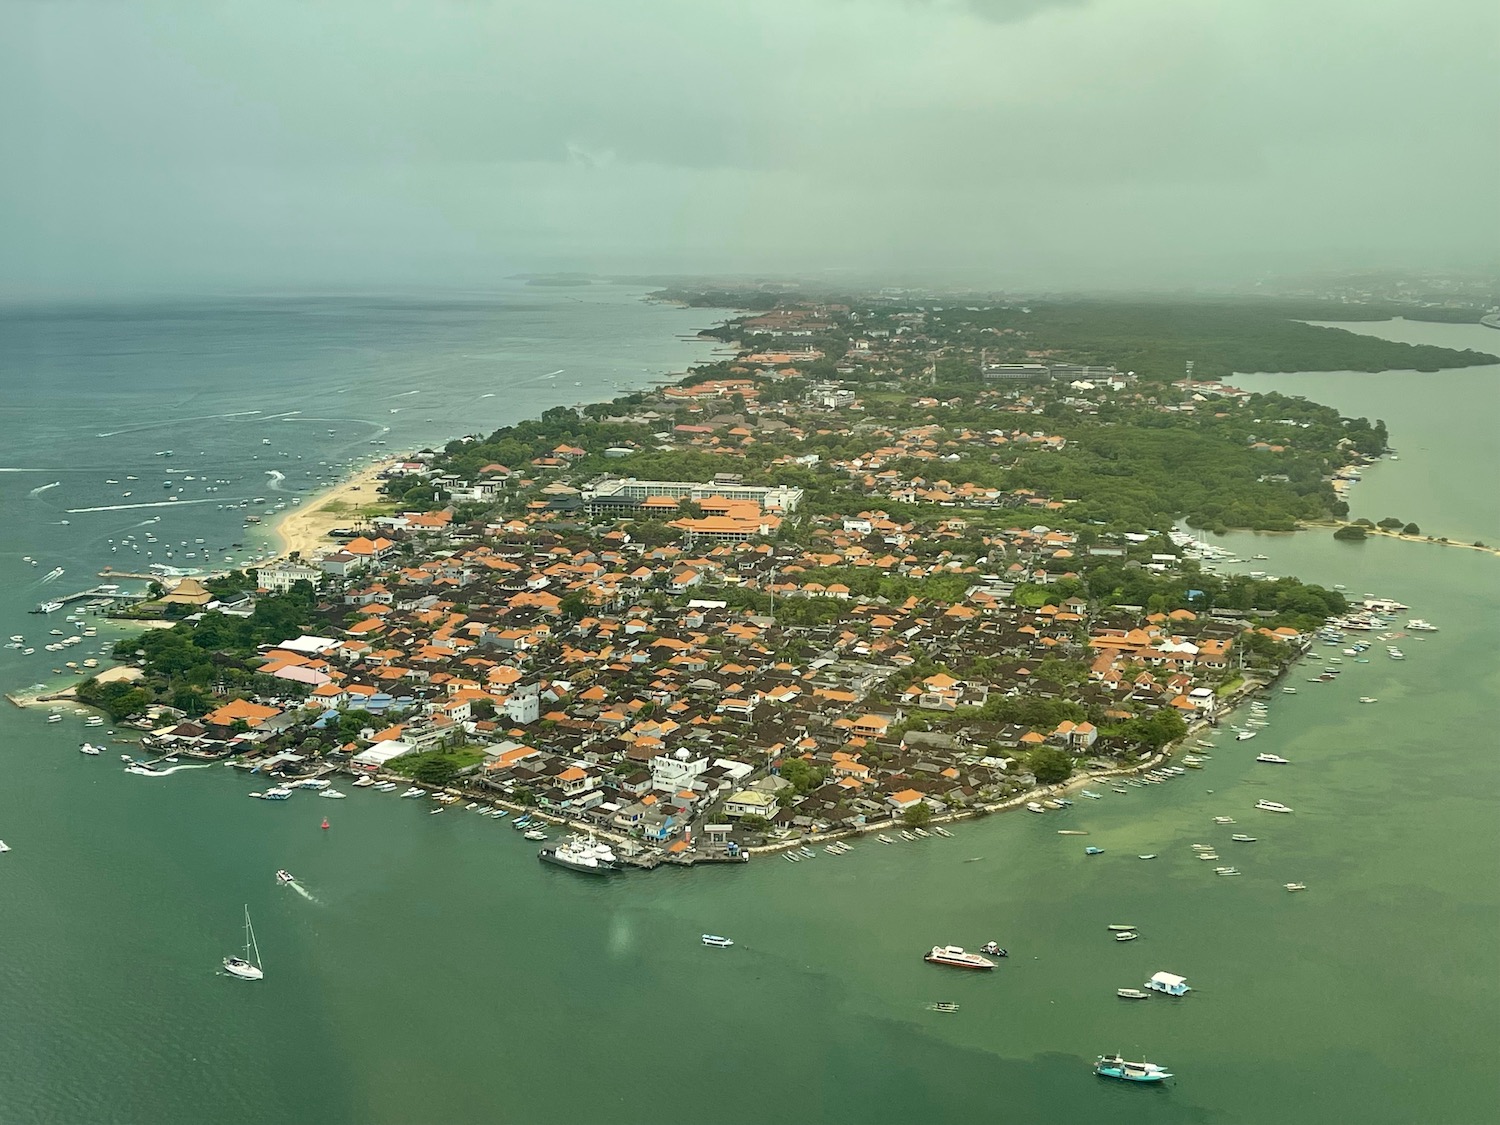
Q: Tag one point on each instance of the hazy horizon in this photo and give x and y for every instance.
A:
(1078, 145)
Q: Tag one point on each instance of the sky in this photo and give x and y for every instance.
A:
(1074, 144)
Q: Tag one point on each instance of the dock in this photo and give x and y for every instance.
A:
(103, 593)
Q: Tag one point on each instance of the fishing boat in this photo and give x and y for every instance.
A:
(91, 751)
(1119, 789)
(284, 877)
(954, 957)
(993, 949)
(1093, 851)
(1226, 871)
(1223, 820)
(1032, 806)
(1368, 699)
(534, 834)
(716, 941)
(1273, 759)
(1132, 994)
(943, 1006)
(1245, 735)
(1127, 935)
(247, 967)
(1295, 886)
(413, 792)
(1120, 927)
(1241, 838)
(943, 832)
(1113, 1066)
(276, 793)
(1272, 806)
(1147, 855)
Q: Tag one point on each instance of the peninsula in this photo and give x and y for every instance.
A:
(888, 563)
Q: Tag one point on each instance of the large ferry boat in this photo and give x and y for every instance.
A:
(582, 854)
(954, 956)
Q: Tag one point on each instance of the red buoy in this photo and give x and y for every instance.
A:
(325, 822)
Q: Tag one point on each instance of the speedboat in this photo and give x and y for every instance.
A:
(993, 949)
(1223, 820)
(716, 941)
(91, 751)
(334, 793)
(1127, 935)
(1295, 886)
(955, 957)
(1368, 699)
(1272, 806)
(276, 793)
(1132, 994)
(1245, 735)
(284, 877)
(1148, 855)
(1093, 851)
(1273, 759)
(1226, 870)
(1113, 1066)
(364, 782)
(1289, 691)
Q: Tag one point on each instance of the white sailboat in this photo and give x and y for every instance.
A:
(248, 966)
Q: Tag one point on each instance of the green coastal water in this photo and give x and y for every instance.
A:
(439, 973)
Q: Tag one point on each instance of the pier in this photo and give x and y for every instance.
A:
(104, 594)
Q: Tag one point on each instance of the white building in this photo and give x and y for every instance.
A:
(678, 770)
(282, 576)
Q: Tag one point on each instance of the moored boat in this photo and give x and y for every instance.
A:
(716, 941)
(1127, 935)
(1113, 1066)
(584, 854)
(1295, 886)
(955, 957)
(1132, 994)
(1272, 806)
(1241, 838)
(1273, 759)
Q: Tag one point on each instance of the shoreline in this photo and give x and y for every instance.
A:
(303, 530)
(1433, 540)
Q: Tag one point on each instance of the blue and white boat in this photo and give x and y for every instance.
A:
(1169, 983)
(1113, 1066)
(1093, 851)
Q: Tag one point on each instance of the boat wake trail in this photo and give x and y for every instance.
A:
(154, 504)
(303, 891)
(43, 488)
(276, 479)
(141, 771)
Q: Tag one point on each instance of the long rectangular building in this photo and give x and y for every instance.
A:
(628, 493)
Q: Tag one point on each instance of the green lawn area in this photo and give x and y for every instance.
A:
(430, 765)
(1229, 685)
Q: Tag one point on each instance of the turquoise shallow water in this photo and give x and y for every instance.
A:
(439, 973)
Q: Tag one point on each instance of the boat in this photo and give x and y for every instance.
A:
(434, 812)
(955, 957)
(1148, 855)
(1226, 871)
(943, 832)
(1032, 806)
(1289, 691)
(1272, 759)
(716, 941)
(1395, 654)
(364, 782)
(1120, 927)
(1245, 735)
(1132, 994)
(54, 718)
(1272, 806)
(414, 792)
(1093, 851)
(1223, 820)
(943, 1006)
(1368, 699)
(1417, 625)
(1113, 1066)
(1119, 789)
(1295, 886)
(993, 949)
(579, 853)
(1072, 832)
(1168, 983)
(276, 793)
(310, 783)
(1127, 935)
(247, 967)
(1208, 856)
(534, 834)
(4, 847)
(284, 877)
(334, 793)
(91, 751)
(1241, 838)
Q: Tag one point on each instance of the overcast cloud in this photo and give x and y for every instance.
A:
(1073, 143)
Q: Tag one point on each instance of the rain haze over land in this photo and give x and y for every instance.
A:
(1069, 143)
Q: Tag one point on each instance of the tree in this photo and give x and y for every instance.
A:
(1351, 533)
(754, 823)
(916, 816)
(1411, 529)
(1049, 764)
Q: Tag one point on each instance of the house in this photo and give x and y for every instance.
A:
(750, 802)
(281, 577)
(188, 592)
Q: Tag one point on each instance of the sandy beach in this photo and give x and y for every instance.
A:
(305, 529)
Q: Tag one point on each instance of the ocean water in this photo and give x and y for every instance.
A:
(435, 971)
